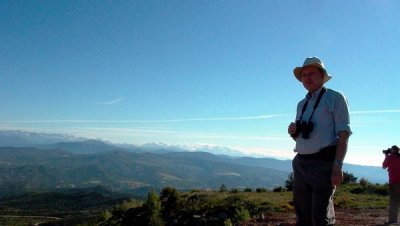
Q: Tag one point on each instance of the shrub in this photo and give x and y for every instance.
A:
(289, 182)
(248, 190)
(223, 188)
(261, 190)
(169, 198)
(379, 189)
(370, 189)
(105, 215)
(279, 189)
(342, 202)
(242, 214)
(349, 178)
(228, 222)
(364, 182)
(124, 206)
(154, 207)
(287, 207)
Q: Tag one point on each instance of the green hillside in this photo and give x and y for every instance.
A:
(29, 169)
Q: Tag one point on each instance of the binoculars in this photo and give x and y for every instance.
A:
(304, 128)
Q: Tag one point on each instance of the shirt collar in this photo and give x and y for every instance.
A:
(314, 94)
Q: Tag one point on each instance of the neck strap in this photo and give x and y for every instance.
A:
(321, 93)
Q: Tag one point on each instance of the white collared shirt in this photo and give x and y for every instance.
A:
(331, 116)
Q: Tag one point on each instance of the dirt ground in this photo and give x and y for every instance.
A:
(344, 217)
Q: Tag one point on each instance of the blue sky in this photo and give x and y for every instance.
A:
(197, 72)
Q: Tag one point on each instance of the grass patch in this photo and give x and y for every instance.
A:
(362, 197)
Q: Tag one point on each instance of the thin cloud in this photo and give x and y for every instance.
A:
(120, 99)
(243, 118)
(152, 121)
(219, 118)
(374, 112)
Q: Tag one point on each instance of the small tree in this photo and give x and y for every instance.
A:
(364, 182)
(289, 182)
(349, 178)
(279, 189)
(105, 215)
(169, 197)
(248, 190)
(259, 190)
(154, 207)
(223, 188)
(242, 214)
(228, 222)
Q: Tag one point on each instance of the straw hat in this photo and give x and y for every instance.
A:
(312, 61)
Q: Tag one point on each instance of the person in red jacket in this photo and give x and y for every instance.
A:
(392, 164)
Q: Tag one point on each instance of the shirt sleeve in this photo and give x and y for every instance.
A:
(385, 162)
(341, 114)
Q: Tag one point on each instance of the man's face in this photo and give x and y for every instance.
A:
(312, 78)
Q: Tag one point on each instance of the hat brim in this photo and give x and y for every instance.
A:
(297, 72)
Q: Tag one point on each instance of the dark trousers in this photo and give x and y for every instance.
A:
(394, 200)
(313, 191)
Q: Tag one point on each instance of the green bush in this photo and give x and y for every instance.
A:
(279, 189)
(261, 190)
(223, 188)
(248, 190)
(105, 215)
(370, 189)
(118, 210)
(349, 178)
(364, 182)
(154, 207)
(289, 182)
(242, 214)
(228, 222)
(227, 208)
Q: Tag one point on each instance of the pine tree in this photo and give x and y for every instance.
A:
(169, 197)
(289, 182)
(154, 207)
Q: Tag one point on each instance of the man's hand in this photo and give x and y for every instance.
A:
(292, 129)
(337, 175)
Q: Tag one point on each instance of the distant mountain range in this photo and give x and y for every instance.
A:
(25, 169)
(42, 162)
(19, 138)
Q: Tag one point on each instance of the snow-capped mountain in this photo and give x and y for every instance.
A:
(20, 138)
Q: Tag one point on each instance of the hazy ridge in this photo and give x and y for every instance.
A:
(43, 162)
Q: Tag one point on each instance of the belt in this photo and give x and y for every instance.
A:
(326, 153)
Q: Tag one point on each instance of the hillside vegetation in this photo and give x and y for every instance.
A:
(228, 207)
(224, 206)
(31, 169)
(58, 183)
(35, 170)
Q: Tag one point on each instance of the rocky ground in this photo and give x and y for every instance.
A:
(344, 217)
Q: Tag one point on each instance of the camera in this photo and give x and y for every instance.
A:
(387, 151)
(303, 127)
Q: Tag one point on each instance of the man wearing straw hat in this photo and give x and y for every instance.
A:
(321, 132)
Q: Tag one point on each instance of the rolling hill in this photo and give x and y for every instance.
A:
(59, 161)
(29, 169)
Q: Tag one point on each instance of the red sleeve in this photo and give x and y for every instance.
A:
(385, 163)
